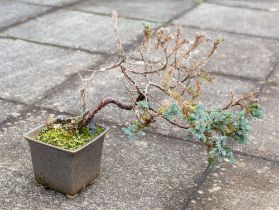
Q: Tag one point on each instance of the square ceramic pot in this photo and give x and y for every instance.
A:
(66, 171)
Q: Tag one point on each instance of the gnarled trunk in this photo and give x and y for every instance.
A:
(91, 113)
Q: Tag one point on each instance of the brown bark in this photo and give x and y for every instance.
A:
(91, 113)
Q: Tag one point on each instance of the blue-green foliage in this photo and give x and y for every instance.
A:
(131, 131)
(172, 111)
(200, 120)
(213, 127)
(144, 104)
(136, 127)
(220, 150)
(241, 129)
(225, 124)
(233, 124)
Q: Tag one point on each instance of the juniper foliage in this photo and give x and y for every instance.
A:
(180, 75)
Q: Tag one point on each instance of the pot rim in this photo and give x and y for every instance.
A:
(29, 137)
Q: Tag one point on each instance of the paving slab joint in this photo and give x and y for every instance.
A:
(119, 16)
(228, 32)
(266, 83)
(237, 77)
(199, 182)
(57, 46)
(255, 156)
(180, 15)
(48, 11)
(71, 78)
(237, 6)
(34, 4)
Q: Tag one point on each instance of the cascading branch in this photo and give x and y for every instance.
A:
(213, 127)
(165, 80)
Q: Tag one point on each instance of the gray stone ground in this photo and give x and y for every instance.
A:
(41, 41)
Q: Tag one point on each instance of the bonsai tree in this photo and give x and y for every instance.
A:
(169, 87)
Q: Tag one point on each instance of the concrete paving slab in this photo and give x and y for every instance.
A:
(247, 57)
(238, 55)
(153, 172)
(29, 70)
(249, 184)
(12, 12)
(152, 10)
(269, 5)
(265, 138)
(9, 109)
(51, 2)
(78, 30)
(18, 187)
(217, 17)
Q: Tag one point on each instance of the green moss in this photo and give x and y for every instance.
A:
(59, 134)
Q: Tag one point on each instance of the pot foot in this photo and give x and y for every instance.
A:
(71, 196)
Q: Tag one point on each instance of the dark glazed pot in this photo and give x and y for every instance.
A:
(66, 171)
